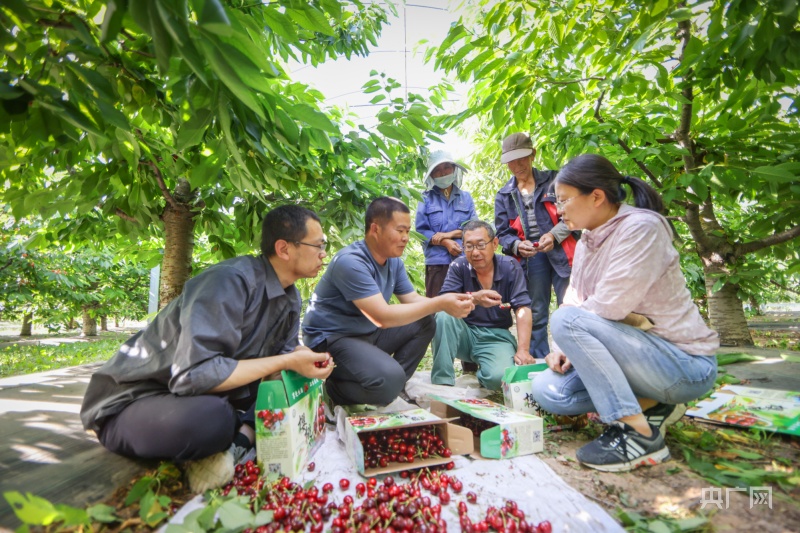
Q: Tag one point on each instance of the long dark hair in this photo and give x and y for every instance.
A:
(588, 172)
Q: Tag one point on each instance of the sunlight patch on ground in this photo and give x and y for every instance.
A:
(24, 406)
(32, 454)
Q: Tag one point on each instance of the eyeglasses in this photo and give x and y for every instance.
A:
(480, 246)
(562, 203)
(321, 247)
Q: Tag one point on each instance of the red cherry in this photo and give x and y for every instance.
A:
(344, 483)
(311, 466)
(535, 244)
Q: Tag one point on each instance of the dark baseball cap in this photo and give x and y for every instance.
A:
(515, 146)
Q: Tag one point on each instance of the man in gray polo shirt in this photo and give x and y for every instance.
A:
(184, 388)
(376, 346)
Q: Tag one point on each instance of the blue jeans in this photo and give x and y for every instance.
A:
(613, 365)
(541, 276)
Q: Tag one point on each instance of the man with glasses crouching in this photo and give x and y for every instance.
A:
(498, 288)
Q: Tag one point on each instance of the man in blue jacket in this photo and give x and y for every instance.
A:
(529, 229)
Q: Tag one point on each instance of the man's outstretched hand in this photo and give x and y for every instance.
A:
(457, 305)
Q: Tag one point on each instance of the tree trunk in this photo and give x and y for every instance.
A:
(755, 306)
(104, 323)
(178, 244)
(89, 322)
(72, 324)
(27, 325)
(116, 322)
(726, 312)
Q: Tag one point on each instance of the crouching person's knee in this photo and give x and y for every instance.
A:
(384, 391)
(548, 393)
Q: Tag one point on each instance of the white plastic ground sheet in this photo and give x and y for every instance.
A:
(527, 480)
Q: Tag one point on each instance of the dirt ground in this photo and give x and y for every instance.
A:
(672, 490)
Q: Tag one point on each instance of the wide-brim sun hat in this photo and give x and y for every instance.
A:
(515, 146)
(437, 158)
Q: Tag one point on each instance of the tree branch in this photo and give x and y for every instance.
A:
(8, 264)
(570, 82)
(624, 145)
(784, 287)
(124, 216)
(161, 185)
(684, 127)
(766, 242)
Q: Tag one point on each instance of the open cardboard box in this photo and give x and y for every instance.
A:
(511, 433)
(290, 423)
(457, 438)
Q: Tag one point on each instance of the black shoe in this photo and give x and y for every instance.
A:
(663, 415)
(621, 448)
(469, 368)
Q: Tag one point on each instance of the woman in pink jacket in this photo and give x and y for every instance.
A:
(631, 344)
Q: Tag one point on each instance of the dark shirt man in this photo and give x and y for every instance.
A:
(184, 387)
(376, 346)
(498, 286)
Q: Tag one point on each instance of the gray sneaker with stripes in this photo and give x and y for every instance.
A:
(621, 448)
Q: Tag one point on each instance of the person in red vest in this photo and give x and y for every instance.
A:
(529, 229)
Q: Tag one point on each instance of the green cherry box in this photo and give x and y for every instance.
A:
(456, 438)
(516, 385)
(290, 423)
(499, 432)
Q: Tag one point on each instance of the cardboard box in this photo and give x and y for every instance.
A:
(516, 385)
(499, 432)
(457, 438)
(290, 423)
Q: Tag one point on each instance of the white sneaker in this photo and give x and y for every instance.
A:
(216, 470)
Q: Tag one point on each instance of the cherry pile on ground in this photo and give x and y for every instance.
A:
(402, 445)
(390, 506)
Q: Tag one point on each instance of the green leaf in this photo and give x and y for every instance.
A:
(214, 19)
(31, 509)
(113, 116)
(138, 490)
(231, 80)
(235, 516)
(731, 358)
(102, 513)
(744, 454)
(280, 24)
(333, 7)
(312, 117)
(777, 174)
(112, 20)
(192, 131)
(244, 67)
(305, 21)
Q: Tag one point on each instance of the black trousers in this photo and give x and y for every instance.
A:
(374, 368)
(177, 428)
(434, 279)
